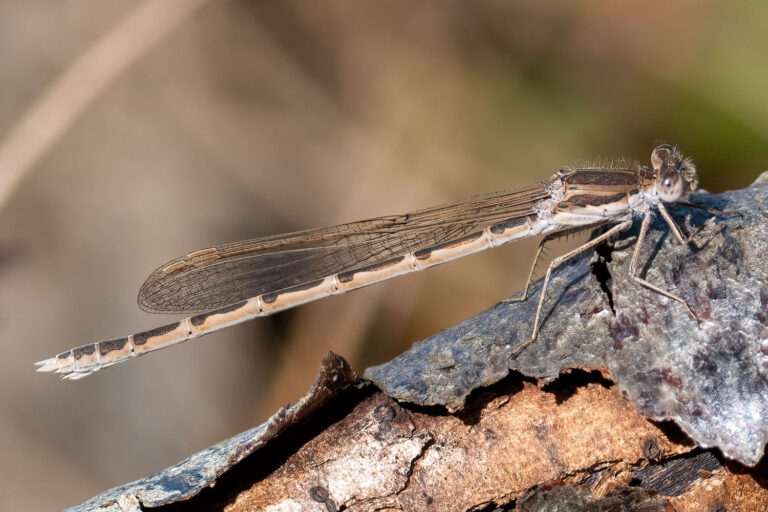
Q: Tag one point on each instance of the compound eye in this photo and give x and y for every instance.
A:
(660, 155)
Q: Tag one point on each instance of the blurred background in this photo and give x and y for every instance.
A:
(132, 133)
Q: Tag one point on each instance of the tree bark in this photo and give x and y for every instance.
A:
(622, 401)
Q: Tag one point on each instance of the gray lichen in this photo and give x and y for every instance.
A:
(710, 376)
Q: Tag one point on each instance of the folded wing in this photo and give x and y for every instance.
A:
(226, 274)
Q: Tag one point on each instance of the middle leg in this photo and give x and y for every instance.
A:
(559, 261)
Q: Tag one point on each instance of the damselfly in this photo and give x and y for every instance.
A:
(232, 283)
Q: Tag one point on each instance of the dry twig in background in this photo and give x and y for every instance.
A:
(82, 82)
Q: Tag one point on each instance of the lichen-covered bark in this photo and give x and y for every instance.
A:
(517, 444)
(448, 427)
(710, 377)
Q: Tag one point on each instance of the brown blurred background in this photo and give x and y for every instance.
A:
(132, 133)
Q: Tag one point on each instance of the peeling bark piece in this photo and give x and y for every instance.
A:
(384, 456)
(569, 497)
(671, 478)
(509, 441)
(368, 455)
(723, 491)
(711, 378)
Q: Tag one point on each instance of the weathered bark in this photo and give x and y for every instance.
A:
(623, 400)
(710, 377)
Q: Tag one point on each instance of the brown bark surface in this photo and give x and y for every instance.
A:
(518, 438)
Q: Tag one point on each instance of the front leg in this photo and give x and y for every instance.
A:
(633, 263)
(676, 230)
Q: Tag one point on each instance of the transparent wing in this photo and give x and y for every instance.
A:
(226, 274)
